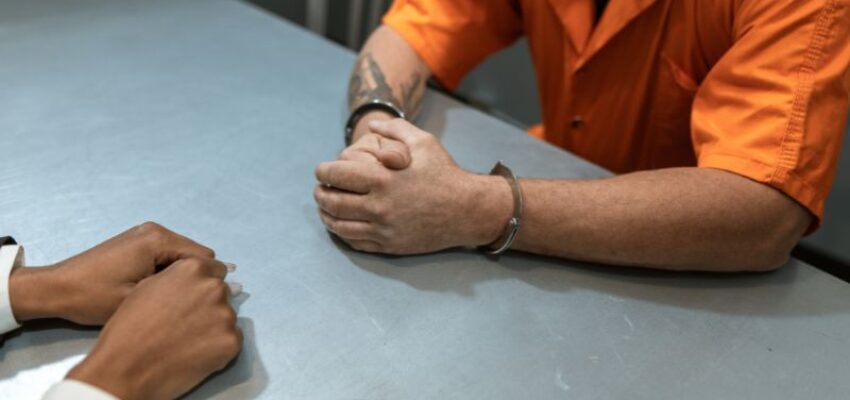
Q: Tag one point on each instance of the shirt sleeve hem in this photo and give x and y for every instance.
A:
(439, 70)
(790, 184)
(11, 256)
(70, 389)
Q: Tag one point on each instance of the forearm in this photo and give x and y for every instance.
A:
(388, 69)
(35, 293)
(677, 219)
(115, 372)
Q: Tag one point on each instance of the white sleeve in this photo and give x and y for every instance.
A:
(70, 389)
(11, 256)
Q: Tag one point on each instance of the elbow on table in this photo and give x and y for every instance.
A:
(768, 261)
(772, 237)
(769, 252)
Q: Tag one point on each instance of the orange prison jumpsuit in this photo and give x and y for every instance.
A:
(759, 88)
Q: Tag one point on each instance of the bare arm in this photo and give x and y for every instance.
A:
(387, 69)
(678, 219)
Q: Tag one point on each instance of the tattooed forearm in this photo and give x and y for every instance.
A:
(368, 82)
(412, 93)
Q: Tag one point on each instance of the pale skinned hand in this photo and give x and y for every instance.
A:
(88, 287)
(431, 205)
(170, 333)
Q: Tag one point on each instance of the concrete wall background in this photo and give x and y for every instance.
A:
(833, 238)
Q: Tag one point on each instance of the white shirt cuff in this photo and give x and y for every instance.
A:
(11, 256)
(70, 389)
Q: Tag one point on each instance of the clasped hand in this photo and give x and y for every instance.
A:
(396, 190)
(164, 331)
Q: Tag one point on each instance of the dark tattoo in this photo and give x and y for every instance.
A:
(412, 95)
(368, 82)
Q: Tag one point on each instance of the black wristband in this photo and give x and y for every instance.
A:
(361, 110)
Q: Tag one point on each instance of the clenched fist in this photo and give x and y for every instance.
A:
(89, 287)
(172, 331)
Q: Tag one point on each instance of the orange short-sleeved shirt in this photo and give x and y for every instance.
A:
(756, 87)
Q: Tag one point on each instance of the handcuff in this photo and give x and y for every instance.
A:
(361, 110)
(504, 242)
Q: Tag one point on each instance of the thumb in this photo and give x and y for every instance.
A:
(393, 154)
(397, 129)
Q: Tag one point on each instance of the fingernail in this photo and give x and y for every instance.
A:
(374, 124)
(230, 266)
(235, 288)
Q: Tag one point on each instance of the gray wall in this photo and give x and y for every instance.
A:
(347, 22)
(833, 239)
(505, 85)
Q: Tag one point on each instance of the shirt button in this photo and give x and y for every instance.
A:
(577, 122)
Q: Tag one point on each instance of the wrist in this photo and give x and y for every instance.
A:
(362, 126)
(491, 207)
(111, 372)
(35, 293)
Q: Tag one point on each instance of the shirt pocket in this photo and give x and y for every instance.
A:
(669, 117)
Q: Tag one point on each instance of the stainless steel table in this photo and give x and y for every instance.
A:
(209, 116)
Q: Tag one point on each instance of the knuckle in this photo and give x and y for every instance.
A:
(335, 226)
(371, 231)
(326, 220)
(231, 343)
(326, 202)
(386, 233)
(381, 181)
(348, 153)
(378, 210)
(390, 242)
(193, 265)
(208, 286)
(319, 171)
(218, 289)
(152, 230)
(228, 316)
(331, 174)
(331, 205)
(126, 290)
(150, 226)
(208, 252)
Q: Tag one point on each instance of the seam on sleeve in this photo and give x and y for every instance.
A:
(794, 186)
(423, 48)
(791, 141)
